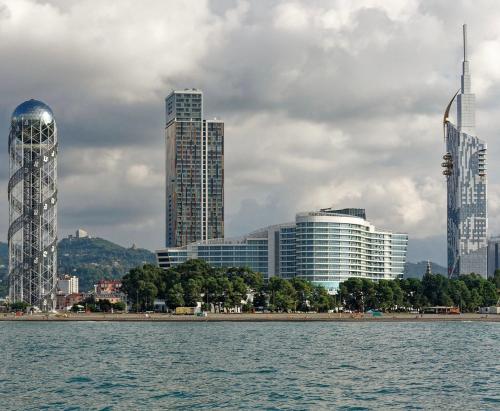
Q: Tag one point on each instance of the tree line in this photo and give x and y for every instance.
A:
(468, 292)
(221, 288)
(225, 288)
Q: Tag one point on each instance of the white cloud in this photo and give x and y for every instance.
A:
(142, 175)
(325, 103)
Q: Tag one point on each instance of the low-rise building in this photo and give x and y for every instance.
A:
(65, 302)
(108, 286)
(109, 290)
(326, 247)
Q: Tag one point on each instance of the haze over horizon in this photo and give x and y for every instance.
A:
(329, 103)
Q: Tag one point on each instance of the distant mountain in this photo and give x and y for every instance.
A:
(92, 259)
(417, 270)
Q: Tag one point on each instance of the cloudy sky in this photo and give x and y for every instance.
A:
(326, 103)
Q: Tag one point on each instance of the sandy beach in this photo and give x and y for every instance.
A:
(389, 317)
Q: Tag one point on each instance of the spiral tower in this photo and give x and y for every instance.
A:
(32, 191)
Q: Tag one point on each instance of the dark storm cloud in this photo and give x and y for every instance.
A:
(325, 103)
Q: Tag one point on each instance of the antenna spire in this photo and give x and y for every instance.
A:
(465, 41)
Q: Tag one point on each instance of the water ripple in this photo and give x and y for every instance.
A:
(271, 366)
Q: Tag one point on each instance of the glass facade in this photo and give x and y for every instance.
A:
(324, 247)
(194, 171)
(214, 180)
(249, 252)
(467, 205)
(493, 255)
(332, 247)
(466, 185)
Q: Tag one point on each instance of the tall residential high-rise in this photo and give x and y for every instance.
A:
(194, 171)
(465, 168)
(32, 190)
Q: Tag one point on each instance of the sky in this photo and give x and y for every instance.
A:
(325, 104)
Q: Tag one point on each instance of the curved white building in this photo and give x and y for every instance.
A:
(334, 245)
(325, 247)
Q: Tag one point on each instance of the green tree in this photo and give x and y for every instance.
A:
(368, 297)
(351, 293)
(238, 291)
(104, 305)
(385, 295)
(496, 279)
(192, 292)
(285, 296)
(435, 289)
(320, 300)
(175, 296)
(119, 306)
(460, 294)
(19, 306)
(304, 292)
(144, 284)
(489, 293)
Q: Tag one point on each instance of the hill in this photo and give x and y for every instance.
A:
(417, 270)
(94, 258)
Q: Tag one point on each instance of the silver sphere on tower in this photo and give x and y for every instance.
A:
(32, 192)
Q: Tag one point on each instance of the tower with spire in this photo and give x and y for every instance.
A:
(428, 269)
(465, 170)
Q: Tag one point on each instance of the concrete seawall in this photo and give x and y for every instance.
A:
(397, 317)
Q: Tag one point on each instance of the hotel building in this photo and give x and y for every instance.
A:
(325, 247)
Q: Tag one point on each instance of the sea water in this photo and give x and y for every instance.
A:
(272, 365)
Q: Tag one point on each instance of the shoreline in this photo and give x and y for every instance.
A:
(324, 317)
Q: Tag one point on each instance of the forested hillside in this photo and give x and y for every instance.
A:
(94, 258)
(417, 270)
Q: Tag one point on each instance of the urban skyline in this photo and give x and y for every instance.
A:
(267, 177)
(112, 133)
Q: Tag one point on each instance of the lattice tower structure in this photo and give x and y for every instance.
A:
(32, 191)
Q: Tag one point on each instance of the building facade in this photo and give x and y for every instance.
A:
(68, 285)
(493, 255)
(110, 290)
(325, 247)
(194, 171)
(32, 191)
(465, 168)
